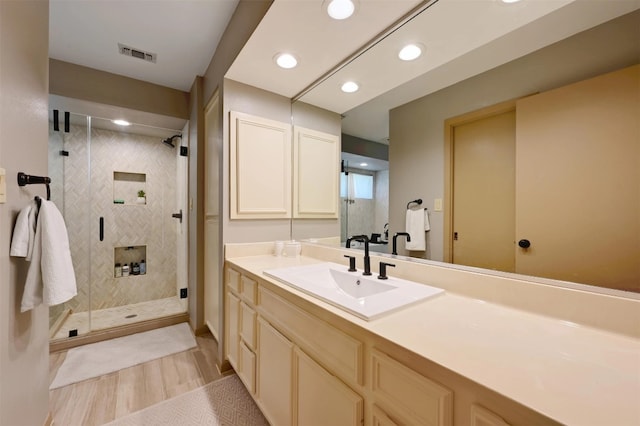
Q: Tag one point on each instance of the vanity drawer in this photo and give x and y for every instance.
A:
(249, 290)
(413, 396)
(248, 325)
(337, 351)
(247, 370)
(233, 280)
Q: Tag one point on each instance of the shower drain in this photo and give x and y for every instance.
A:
(131, 316)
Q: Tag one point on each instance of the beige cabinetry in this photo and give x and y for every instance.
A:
(264, 174)
(275, 374)
(322, 398)
(407, 396)
(303, 370)
(315, 174)
(260, 168)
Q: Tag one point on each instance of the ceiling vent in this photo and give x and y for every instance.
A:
(137, 53)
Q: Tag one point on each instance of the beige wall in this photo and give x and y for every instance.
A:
(416, 129)
(24, 81)
(78, 82)
(250, 100)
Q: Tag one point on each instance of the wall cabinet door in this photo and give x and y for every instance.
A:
(275, 374)
(260, 168)
(322, 398)
(316, 176)
(233, 329)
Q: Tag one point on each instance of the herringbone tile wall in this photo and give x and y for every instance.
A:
(87, 194)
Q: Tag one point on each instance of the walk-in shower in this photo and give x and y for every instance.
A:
(117, 189)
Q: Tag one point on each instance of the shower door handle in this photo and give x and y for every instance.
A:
(177, 215)
(102, 229)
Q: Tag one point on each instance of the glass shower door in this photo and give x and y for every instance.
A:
(69, 172)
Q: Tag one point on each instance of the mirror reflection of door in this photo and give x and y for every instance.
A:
(573, 156)
(484, 192)
(578, 166)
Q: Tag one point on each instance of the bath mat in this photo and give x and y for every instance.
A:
(224, 402)
(97, 359)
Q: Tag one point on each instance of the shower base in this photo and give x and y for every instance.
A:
(102, 319)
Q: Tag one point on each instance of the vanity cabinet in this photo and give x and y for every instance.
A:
(304, 369)
(275, 374)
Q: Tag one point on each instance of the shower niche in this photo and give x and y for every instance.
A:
(130, 261)
(129, 188)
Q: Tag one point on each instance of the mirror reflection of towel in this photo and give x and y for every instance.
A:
(417, 223)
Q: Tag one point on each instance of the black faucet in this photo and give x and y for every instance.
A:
(395, 237)
(367, 261)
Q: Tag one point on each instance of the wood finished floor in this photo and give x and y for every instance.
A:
(102, 399)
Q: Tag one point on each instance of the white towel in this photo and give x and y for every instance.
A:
(24, 232)
(417, 222)
(50, 277)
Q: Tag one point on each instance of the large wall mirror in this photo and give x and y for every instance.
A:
(471, 65)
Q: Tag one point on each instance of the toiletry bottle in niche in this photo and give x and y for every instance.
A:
(125, 270)
(143, 267)
(136, 269)
(117, 271)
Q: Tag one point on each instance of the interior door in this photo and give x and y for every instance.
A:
(578, 180)
(484, 193)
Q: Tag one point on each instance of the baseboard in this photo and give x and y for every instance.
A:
(120, 331)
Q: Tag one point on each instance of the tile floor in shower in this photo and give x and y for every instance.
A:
(122, 315)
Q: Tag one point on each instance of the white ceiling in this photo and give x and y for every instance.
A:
(183, 33)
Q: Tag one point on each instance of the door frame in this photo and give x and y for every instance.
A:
(449, 125)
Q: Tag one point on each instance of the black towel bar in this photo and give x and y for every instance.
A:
(24, 179)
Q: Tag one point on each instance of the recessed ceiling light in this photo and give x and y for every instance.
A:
(120, 122)
(286, 60)
(410, 52)
(510, 1)
(340, 9)
(350, 87)
(363, 164)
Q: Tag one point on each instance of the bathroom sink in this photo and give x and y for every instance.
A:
(358, 286)
(364, 296)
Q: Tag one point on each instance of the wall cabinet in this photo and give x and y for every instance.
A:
(316, 174)
(265, 177)
(260, 168)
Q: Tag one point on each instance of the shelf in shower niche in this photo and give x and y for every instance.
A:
(128, 187)
(129, 255)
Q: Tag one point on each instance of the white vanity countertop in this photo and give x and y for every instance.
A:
(571, 373)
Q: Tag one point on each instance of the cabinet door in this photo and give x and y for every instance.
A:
(322, 398)
(275, 374)
(315, 174)
(233, 335)
(260, 163)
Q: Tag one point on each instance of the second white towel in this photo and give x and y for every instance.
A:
(417, 222)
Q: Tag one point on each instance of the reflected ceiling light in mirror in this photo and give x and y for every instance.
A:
(363, 164)
(350, 87)
(121, 122)
(410, 52)
(340, 9)
(286, 60)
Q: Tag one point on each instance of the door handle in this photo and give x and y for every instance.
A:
(102, 229)
(525, 244)
(177, 215)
